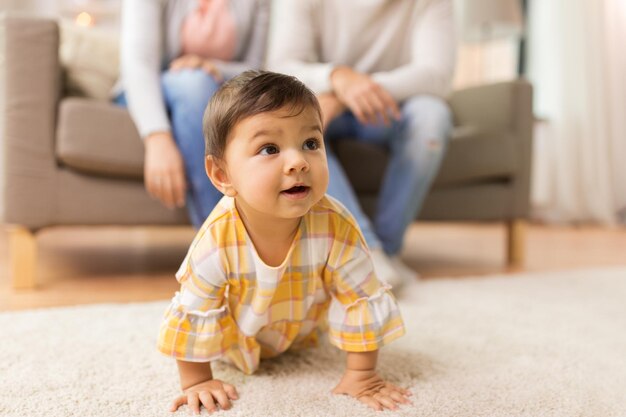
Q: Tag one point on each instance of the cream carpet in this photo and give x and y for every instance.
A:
(526, 345)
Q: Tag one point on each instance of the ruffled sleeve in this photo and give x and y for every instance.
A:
(197, 325)
(363, 314)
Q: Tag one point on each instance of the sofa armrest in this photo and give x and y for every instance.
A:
(494, 106)
(502, 107)
(30, 85)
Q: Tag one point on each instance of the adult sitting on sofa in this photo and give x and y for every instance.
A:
(71, 157)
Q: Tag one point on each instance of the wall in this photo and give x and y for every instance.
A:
(486, 63)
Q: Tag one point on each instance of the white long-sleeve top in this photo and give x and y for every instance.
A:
(407, 46)
(151, 39)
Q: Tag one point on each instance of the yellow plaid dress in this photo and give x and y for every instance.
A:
(234, 307)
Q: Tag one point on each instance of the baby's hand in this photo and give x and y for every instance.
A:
(371, 389)
(207, 393)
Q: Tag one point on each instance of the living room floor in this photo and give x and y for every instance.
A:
(118, 264)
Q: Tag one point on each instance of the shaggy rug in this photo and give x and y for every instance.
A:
(550, 344)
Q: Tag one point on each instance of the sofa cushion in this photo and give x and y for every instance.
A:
(90, 60)
(98, 138)
(472, 156)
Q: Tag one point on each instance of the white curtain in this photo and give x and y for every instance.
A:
(577, 64)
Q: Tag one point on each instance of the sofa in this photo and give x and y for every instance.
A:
(75, 160)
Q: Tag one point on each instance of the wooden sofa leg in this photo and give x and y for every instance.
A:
(23, 257)
(516, 243)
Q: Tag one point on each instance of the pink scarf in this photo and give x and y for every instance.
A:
(209, 31)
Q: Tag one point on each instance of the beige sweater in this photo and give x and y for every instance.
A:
(408, 46)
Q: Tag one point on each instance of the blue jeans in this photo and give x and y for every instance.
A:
(417, 143)
(186, 94)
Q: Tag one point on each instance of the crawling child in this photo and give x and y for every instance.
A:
(277, 263)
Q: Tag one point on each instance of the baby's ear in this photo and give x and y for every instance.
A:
(218, 175)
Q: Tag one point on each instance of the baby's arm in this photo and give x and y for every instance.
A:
(199, 387)
(361, 381)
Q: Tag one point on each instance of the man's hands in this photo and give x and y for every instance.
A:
(369, 102)
(164, 173)
(195, 62)
(368, 387)
(208, 393)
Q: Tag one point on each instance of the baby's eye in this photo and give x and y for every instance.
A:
(269, 150)
(311, 144)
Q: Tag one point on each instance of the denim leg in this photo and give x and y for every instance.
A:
(338, 185)
(417, 148)
(187, 93)
(120, 100)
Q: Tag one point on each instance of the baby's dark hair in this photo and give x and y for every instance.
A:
(250, 93)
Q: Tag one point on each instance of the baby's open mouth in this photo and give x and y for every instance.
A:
(296, 190)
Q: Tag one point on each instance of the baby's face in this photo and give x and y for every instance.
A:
(276, 162)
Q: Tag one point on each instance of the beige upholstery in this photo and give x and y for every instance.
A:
(115, 151)
(78, 161)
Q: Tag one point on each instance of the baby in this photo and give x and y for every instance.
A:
(277, 262)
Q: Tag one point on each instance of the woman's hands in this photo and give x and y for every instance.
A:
(195, 62)
(368, 387)
(207, 393)
(164, 172)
